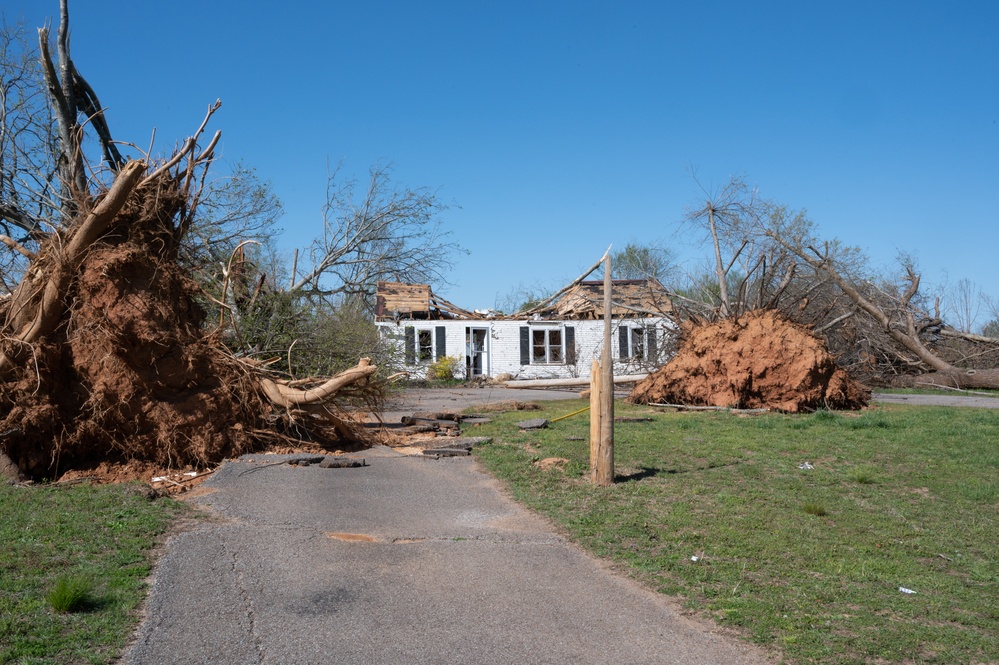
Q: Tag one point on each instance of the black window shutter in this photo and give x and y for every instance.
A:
(441, 343)
(651, 344)
(622, 335)
(570, 345)
(525, 345)
(410, 345)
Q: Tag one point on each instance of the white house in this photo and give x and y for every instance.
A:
(558, 339)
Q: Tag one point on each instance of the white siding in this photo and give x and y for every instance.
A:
(504, 345)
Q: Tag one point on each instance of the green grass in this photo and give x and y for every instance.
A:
(808, 562)
(73, 564)
(72, 594)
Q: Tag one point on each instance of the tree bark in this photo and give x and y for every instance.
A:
(283, 395)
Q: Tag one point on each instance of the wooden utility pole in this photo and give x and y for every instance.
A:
(594, 417)
(602, 454)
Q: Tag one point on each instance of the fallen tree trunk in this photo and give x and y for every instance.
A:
(558, 383)
(961, 379)
(281, 394)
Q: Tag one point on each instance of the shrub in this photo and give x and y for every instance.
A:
(445, 369)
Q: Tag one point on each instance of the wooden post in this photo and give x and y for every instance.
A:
(594, 418)
(603, 471)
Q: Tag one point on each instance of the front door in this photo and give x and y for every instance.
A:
(476, 352)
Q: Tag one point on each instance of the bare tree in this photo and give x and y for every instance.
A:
(748, 269)
(727, 216)
(237, 206)
(894, 307)
(386, 233)
(965, 304)
(28, 198)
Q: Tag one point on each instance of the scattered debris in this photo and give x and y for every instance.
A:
(533, 423)
(807, 466)
(757, 360)
(448, 452)
(904, 590)
(512, 405)
(458, 447)
(342, 463)
(433, 415)
(688, 407)
(304, 459)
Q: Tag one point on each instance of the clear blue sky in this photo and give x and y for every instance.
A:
(560, 128)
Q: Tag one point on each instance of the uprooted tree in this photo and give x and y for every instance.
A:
(104, 349)
(769, 269)
(887, 322)
(878, 326)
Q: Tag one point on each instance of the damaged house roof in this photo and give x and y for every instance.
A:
(630, 298)
(398, 300)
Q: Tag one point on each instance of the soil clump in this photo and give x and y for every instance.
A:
(131, 373)
(757, 360)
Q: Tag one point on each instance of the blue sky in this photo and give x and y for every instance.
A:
(560, 128)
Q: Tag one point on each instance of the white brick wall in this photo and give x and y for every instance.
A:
(503, 348)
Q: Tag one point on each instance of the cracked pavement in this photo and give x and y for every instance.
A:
(407, 560)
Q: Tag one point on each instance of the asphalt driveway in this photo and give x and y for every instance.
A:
(407, 560)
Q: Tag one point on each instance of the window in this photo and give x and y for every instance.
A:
(425, 345)
(637, 343)
(546, 345)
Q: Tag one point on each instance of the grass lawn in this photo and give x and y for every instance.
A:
(59, 543)
(810, 562)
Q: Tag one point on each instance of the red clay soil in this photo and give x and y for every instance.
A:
(131, 374)
(757, 360)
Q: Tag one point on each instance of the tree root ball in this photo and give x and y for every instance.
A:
(757, 360)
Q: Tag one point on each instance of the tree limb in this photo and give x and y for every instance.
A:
(30, 323)
(285, 396)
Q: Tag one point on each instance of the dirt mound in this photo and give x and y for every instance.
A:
(758, 360)
(131, 373)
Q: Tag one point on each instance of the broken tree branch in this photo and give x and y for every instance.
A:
(283, 395)
(550, 300)
(31, 322)
(17, 247)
